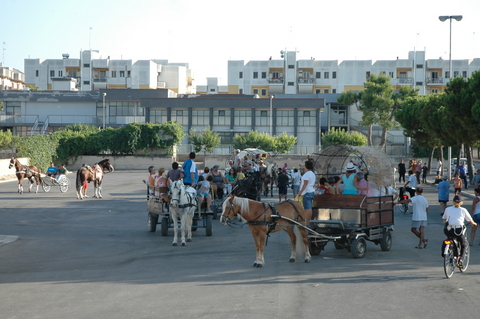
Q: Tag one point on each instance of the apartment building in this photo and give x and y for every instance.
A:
(93, 72)
(11, 79)
(291, 76)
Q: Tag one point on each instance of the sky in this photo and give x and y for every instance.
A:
(208, 33)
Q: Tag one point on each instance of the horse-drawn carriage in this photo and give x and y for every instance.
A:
(166, 207)
(63, 183)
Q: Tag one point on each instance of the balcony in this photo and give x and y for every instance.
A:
(275, 80)
(18, 120)
(306, 81)
(435, 81)
(404, 81)
(100, 80)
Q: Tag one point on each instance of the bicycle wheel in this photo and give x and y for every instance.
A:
(403, 208)
(449, 263)
(466, 260)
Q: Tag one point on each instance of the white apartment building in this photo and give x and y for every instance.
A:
(291, 76)
(11, 79)
(93, 72)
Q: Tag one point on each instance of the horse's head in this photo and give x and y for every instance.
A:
(176, 193)
(106, 165)
(12, 163)
(229, 210)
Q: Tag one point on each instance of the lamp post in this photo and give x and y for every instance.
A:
(104, 95)
(450, 71)
(271, 113)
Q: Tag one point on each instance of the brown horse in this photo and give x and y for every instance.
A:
(32, 173)
(264, 219)
(95, 174)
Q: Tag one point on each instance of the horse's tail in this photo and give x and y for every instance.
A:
(78, 182)
(299, 246)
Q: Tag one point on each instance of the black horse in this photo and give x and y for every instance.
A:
(249, 187)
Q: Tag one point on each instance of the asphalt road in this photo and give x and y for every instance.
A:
(95, 259)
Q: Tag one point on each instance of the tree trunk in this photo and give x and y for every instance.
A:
(370, 134)
(383, 140)
(468, 155)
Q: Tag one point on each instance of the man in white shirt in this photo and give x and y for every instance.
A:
(419, 216)
(439, 168)
(411, 185)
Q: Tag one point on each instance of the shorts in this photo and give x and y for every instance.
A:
(282, 190)
(204, 195)
(418, 223)
(308, 200)
(476, 218)
(296, 189)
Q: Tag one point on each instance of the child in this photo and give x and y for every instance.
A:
(424, 173)
(204, 192)
(457, 184)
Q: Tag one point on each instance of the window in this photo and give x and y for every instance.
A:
(390, 74)
(114, 74)
(334, 74)
(255, 75)
(86, 82)
(240, 91)
(36, 72)
(291, 66)
(264, 92)
(221, 117)
(434, 90)
(419, 66)
(334, 91)
(306, 75)
(338, 115)
(306, 118)
(255, 91)
(291, 83)
(103, 74)
(447, 74)
(318, 91)
(455, 74)
(275, 75)
(52, 73)
(284, 118)
(181, 116)
(367, 74)
(240, 75)
(86, 65)
(464, 74)
(13, 108)
(418, 83)
(318, 75)
(60, 73)
(121, 108)
(212, 90)
(325, 91)
(262, 118)
(326, 75)
(200, 117)
(242, 118)
(158, 116)
(129, 73)
(264, 75)
(122, 74)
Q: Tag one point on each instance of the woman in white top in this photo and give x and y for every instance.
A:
(475, 214)
(307, 191)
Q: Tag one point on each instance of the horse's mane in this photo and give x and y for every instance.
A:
(239, 201)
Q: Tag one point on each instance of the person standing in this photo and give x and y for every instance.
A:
(462, 170)
(190, 170)
(307, 191)
(443, 193)
(455, 216)
(238, 159)
(401, 171)
(418, 170)
(457, 184)
(476, 179)
(349, 180)
(282, 184)
(424, 173)
(419, 216)
(475, 212)
(296, 182)
(439, 168)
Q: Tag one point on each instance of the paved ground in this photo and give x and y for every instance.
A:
(96, 259)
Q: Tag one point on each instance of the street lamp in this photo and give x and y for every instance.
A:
(104, 95)
(443, 19)
(271, 113)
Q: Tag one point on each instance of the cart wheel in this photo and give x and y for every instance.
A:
(194, 224)
(358, 247)
(386, 241)
(466, 260)
(164, 226)
(64, 185)
(208, 226)
(152, 222)
(315, 248)
(46, 188)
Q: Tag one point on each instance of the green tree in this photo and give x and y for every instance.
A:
(6, 139)
(342, 137)
(284, 143)
(206, 141)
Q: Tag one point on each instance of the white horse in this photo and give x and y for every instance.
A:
(183, 203)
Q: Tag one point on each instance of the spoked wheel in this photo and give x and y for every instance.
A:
(403, 208)
(466, 260)
(358, 247)
(449, 263)
(64, 185)
(46, 188)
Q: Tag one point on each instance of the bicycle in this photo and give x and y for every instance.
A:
(451, 254)
(402, 195)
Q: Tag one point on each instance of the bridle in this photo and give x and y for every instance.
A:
(227, 221)
(177, 187)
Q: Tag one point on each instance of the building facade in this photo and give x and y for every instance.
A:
(11, 79)
(93, 72)
(292, 76)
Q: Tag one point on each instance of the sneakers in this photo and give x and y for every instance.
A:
(460, 263)
(209, 211)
